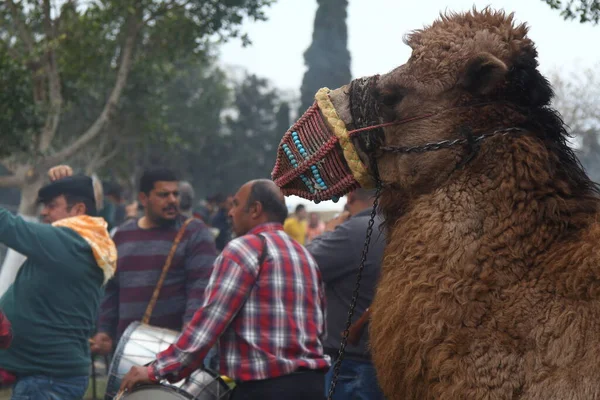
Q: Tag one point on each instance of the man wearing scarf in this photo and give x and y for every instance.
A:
(53, 303)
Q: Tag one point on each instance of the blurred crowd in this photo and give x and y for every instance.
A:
(259, 295)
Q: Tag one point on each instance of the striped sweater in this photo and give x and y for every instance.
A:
(142, 254)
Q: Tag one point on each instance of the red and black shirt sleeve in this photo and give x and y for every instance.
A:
(5, 331)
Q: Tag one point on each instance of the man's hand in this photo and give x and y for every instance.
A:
(340, 219)
(136, 375)
(59, 172)
(101, 344)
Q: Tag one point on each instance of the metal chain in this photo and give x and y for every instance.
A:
(365, 251)
(444, 144)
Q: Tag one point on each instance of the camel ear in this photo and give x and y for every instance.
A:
(483, 74)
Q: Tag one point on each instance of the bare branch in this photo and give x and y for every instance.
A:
(111, 104)
(17, 179)
(100, 162)
(24, 33)
(9, 165)
(53, 76)
(10, 181)
(97, 152)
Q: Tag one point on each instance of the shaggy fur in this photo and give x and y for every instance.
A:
(491, 279)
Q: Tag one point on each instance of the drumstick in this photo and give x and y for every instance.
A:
(119, 395)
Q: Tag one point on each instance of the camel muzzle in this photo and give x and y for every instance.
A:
(319, 157)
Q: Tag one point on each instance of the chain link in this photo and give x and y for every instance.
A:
(444, 144)
(365, 251)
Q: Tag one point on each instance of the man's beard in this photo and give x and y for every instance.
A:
(164, 222)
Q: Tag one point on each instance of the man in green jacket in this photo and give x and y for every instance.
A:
(53, 303)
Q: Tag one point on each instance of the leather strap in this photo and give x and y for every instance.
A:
(263, 253)
(356, 330)
(163, 274)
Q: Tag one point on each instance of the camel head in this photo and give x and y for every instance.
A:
(468, 74)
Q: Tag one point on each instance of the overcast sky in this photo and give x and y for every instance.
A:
(375, 30)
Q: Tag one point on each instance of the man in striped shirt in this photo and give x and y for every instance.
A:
(264, 305)
(143, 246)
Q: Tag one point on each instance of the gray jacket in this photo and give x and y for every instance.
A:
(338, 254)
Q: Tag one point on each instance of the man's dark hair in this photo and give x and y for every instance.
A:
(113, 189)
(300, 207)
(90, 204)
(151, 176)
(273, 204)
(218, 198)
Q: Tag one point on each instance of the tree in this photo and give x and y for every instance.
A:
(18, 119)
(577, 97)
(246, 145)
(585, 10)
(184, 123)
(79, 58)
(327, 59)
(201, 123)
(282, 118)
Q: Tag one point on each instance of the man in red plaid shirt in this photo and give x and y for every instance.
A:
(5, 339)
(265, 306)
(5, 332)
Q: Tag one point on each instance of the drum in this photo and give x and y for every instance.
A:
(205, 385)
(138, 346)
(156, 393)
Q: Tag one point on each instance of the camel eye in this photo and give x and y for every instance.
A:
(391, 99)
(391, 96)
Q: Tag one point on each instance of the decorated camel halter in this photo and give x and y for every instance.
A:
(317, 158)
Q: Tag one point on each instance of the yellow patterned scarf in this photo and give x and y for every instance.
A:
(94, 231)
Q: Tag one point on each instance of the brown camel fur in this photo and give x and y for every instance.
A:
(491, 279)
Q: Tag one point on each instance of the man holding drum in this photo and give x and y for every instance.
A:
(144, 246)
(264, 305)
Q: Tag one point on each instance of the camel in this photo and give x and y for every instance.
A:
(490, 283)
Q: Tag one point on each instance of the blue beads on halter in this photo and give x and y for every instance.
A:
(294, 162)
(290, 156)
(314, 169)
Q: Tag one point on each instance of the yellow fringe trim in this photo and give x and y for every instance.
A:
(338, 127)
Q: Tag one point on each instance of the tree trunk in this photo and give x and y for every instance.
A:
(29, 191)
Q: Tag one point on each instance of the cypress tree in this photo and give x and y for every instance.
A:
(327, 59)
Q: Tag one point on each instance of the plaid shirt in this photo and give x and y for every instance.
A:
(268, 326)
(5, 331)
